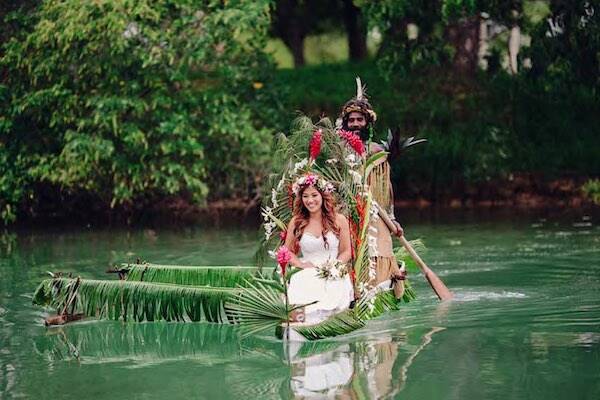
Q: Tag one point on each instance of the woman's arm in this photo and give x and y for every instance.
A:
(289, 243)
(345, 250)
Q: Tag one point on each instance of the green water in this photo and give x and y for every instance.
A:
(525, 323)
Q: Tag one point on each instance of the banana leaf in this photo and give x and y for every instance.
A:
(140, 301)
(222, 276)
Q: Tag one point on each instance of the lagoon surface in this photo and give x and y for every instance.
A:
(525, 323)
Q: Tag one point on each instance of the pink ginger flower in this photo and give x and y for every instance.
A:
(353, 140)
(284, 256)
(314, 147)
(283, 236)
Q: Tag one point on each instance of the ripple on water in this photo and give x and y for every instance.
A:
(476, 296)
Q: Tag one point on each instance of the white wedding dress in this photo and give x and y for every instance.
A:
(332, 296)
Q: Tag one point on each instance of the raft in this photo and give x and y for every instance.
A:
(253, 297)
(212, 294)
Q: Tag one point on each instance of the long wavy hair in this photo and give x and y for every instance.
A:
(301, 216)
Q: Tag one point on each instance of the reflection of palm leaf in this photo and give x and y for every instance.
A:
(190, 275)
(309, 349)
(145, 344)
(138, 300)
(265, 381)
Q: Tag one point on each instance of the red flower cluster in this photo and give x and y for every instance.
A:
(283, 236)
(284, 255)
(314, 147)
(353, 140)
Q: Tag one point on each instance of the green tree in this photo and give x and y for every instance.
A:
(129, 101)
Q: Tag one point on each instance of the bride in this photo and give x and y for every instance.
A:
(317, 234)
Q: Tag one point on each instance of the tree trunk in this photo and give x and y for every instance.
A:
(356, 30)
(295, 42)
(464, 37)
(290, 27)
(514, 45)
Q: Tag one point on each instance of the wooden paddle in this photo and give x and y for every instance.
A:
(442, 292)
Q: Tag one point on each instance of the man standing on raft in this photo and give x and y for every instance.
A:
(357, 116)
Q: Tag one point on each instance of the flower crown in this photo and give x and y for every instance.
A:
(312, 180)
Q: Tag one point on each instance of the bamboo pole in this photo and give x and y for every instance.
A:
(440, 289)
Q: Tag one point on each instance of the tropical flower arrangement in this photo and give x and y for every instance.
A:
(332, 270)
(354, 141)
(334, 161)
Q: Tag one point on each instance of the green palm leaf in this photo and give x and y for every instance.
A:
(258, 307)
(213, 276)
(140, 301)
(350, 320)
(345, 322)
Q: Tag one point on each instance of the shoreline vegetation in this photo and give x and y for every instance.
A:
(521, 194)
(105, 114)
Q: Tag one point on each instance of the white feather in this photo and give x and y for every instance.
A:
(359, 89)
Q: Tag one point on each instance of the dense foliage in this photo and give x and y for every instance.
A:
(127, 102)
(123, 104)
(482, 124)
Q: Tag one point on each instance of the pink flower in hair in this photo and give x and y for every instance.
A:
(311, 180)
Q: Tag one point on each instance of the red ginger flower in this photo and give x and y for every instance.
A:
(283, 236)
(284, 255)
(353, 140)
(314, 147)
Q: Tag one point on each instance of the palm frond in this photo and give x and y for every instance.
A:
(140, 301)
(257, 308)
(369, 307)
(214, 276)
(339, 324)
(383, 302)
(402, 255)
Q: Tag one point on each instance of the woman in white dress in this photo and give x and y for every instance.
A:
(316, 234)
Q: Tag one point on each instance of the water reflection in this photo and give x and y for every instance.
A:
(365, 368)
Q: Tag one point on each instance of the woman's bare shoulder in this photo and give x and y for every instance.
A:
(341, 220)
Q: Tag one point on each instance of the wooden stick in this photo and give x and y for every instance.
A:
(442, 292)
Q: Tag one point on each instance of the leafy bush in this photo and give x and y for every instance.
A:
(130, 101)
(591, 190)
